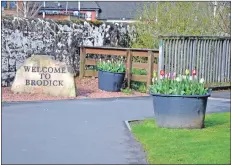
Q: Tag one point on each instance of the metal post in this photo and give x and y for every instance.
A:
(44, 5)
(161, 58)
(79, 9)
(17, 3)
(79, 5)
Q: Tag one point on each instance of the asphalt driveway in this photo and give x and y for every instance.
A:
(222, 94)
(77, 131)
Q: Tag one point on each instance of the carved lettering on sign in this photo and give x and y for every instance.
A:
(46, 73)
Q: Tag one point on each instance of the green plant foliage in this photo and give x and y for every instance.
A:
(78, 21)
(179, 18)
(96, 22)
(127, 91)
(136, 85)
(181, 85)
(116, 66)
(139, 86)
(139, 71)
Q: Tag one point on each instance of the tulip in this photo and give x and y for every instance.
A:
(190, 78)
(154, 74)
(154, 79)
(202, 80)
(173, 75)
(178, 79)
(187, 72)
(162, 73)
(167, 75)
(194, 72)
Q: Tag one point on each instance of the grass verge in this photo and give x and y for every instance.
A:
(210, 145)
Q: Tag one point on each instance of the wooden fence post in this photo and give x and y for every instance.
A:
(150, 68)
(82, 62)
(129, 67)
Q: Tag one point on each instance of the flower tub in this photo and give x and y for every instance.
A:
(110, 81)
(111, 75)
(179, 102)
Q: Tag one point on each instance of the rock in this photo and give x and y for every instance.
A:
(43, 75)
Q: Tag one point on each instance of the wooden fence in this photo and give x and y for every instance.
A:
(150, 66)
(209, 55)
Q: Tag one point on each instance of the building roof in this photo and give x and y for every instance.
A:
(119, 10)
(71, 5)
(108, 10)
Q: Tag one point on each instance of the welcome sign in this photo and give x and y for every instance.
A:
(45, 76)
(41, 74)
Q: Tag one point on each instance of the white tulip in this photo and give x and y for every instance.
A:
(184, 77)
(202, 80)
(178, 79)
(191, 78)
(154, 79)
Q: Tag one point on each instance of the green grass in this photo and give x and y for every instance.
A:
(210, 145)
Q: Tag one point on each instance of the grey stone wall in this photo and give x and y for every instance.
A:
(22, 38)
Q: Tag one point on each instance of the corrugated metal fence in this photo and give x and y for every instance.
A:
(209, 55)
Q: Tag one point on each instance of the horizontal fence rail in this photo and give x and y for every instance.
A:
(150, 65)
(209, 55)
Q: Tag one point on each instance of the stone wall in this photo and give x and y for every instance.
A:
(22, 38)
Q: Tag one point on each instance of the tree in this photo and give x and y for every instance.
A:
(177, 18)
(222, 17)
(28, 9)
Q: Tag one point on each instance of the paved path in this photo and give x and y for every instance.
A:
(222, 94)
(76, 131)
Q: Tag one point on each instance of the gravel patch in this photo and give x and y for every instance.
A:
(87, 88)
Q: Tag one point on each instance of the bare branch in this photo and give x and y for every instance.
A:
(36, 12)
(28, 9)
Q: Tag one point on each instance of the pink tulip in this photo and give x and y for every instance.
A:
(173, 75)
(167, 75)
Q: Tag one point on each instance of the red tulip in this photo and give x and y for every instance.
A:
(194, 72)
(162, 73)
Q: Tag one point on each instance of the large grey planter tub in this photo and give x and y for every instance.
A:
(110, 81)
(180, 111)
